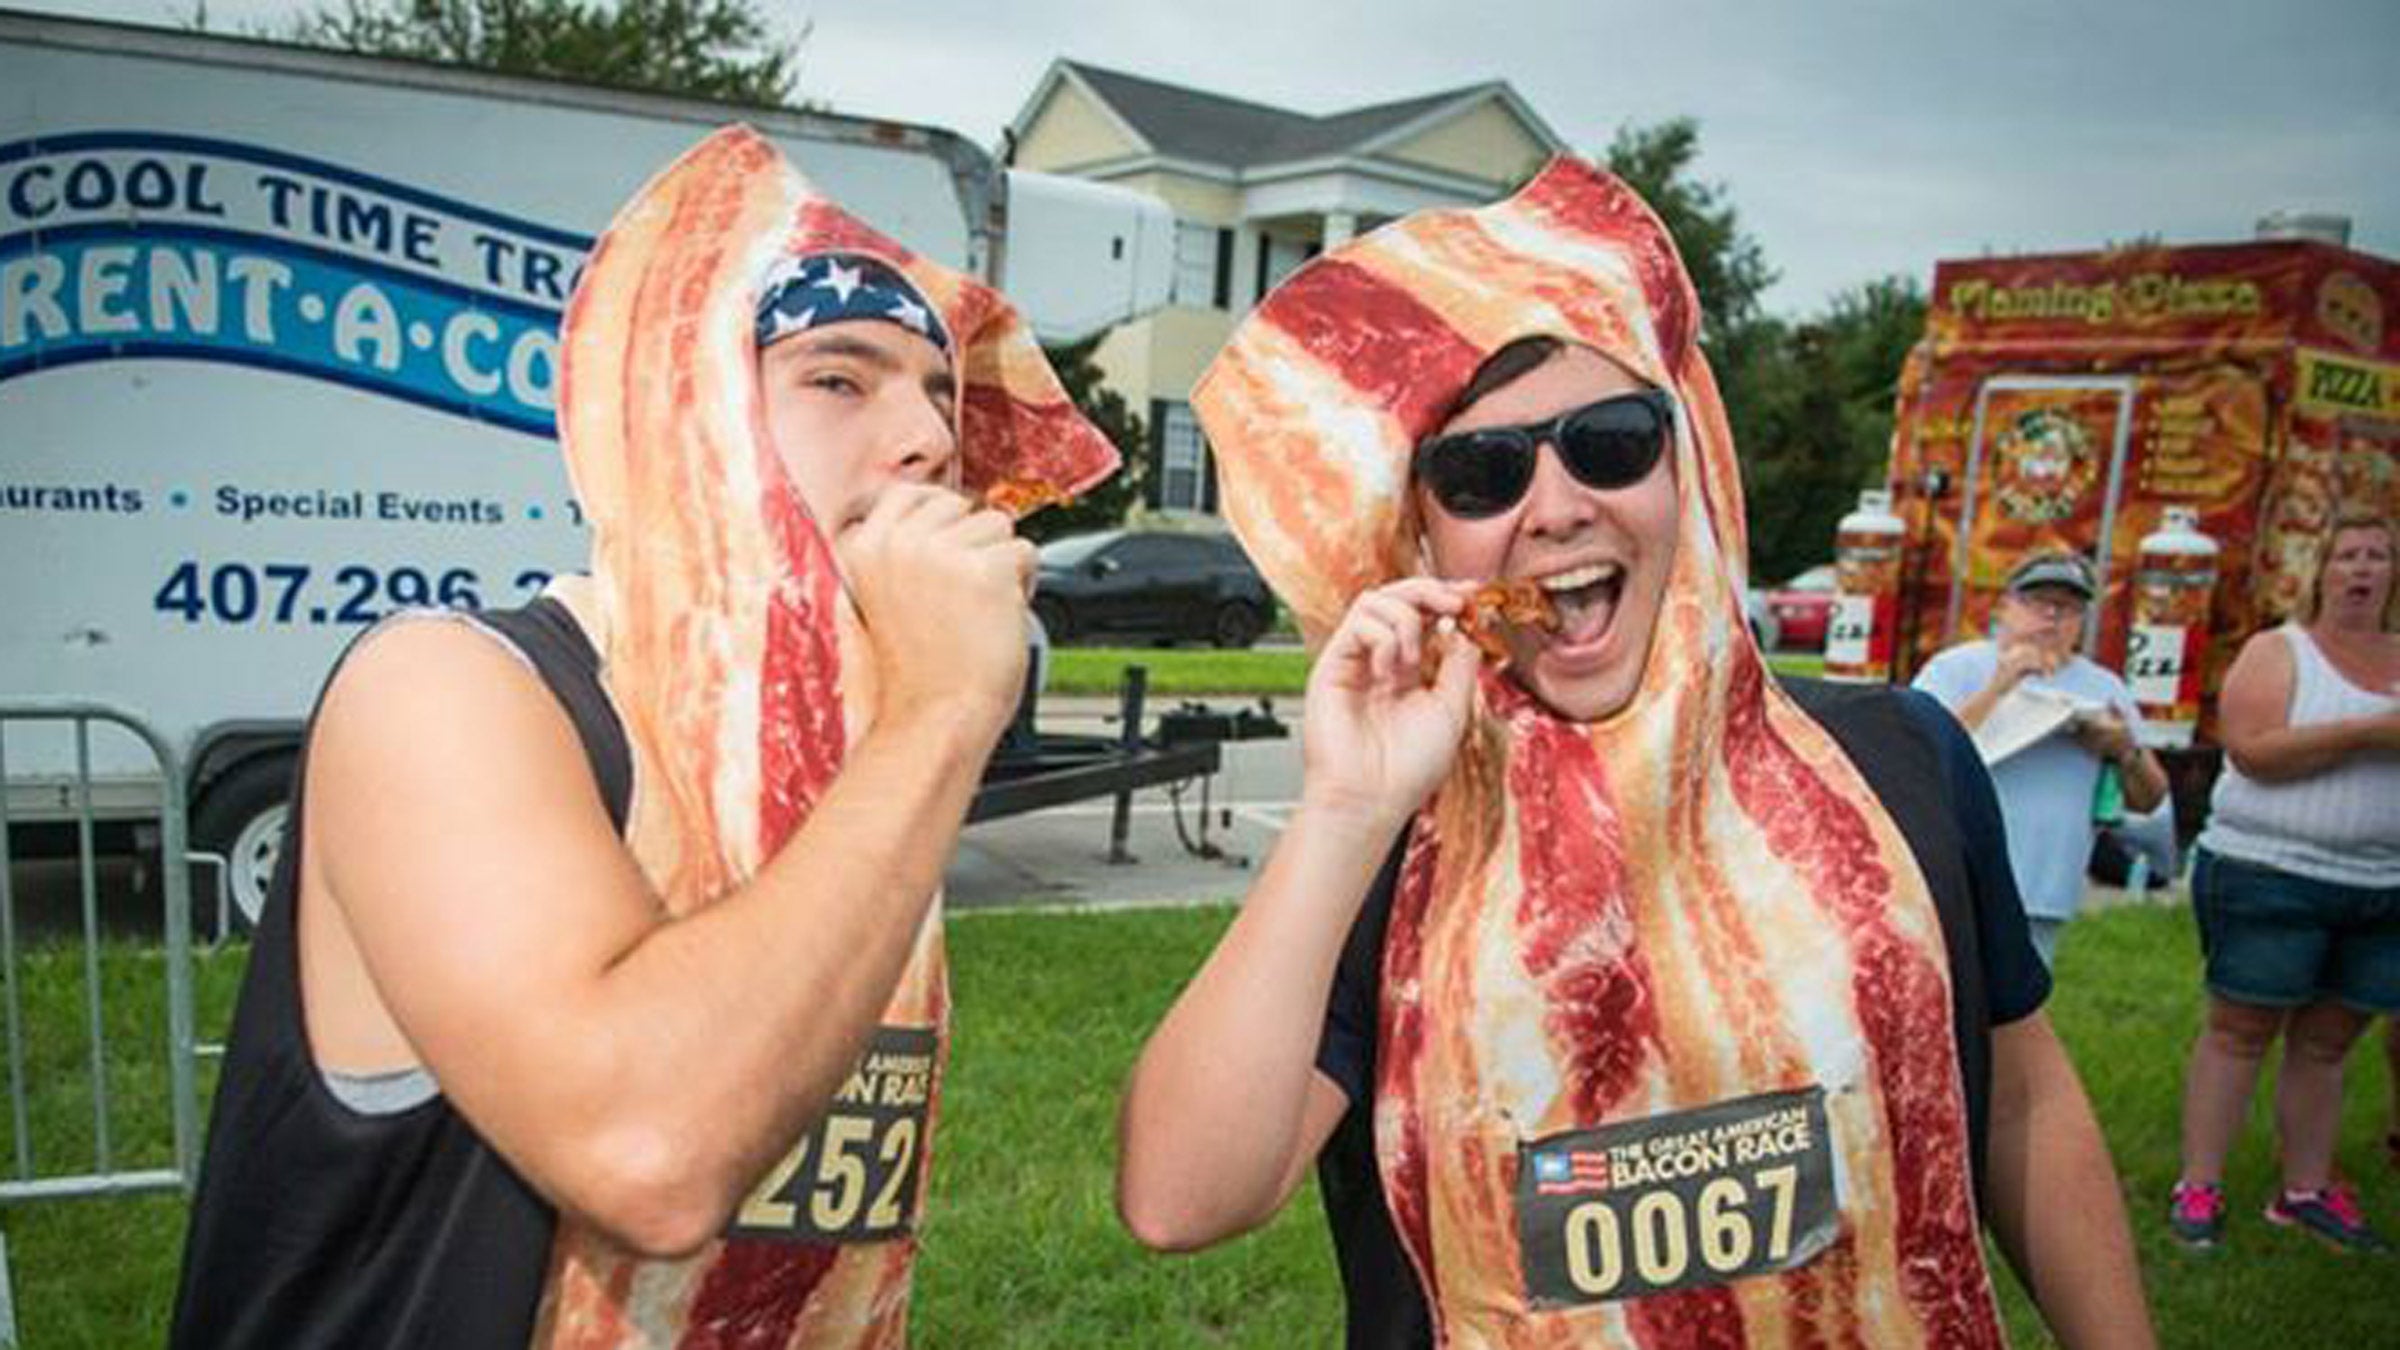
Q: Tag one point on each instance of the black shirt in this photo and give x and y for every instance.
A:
(318, 1225)
(1924, 770)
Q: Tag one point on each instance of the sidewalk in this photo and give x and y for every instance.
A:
(1088, 713)
(1060, 856)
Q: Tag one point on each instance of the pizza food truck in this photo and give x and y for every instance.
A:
(2190, 418)
(278, 348)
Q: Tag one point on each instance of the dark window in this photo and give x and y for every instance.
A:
(1144, 553)
(1278, 258)
(1189, 552)
(1154, 482)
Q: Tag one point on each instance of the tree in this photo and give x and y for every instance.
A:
(1749, 351)
(1728, 268)
(1810, 402)
(1869, 330)
(716, 49)
(1104, 506)
(1795, 462)
(1820, 400)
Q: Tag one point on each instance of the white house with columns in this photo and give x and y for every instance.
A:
(1256, 191)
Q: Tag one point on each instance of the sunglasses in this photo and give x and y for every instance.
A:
(1613, 443)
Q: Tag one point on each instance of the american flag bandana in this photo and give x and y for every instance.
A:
(827, 288)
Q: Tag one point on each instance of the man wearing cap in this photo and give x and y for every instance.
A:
(2047, 788)
(600, 998)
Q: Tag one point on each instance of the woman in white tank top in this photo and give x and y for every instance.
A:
(2297, 887)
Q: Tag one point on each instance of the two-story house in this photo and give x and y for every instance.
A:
(1256, 191)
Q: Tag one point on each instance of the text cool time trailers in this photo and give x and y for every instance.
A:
(278, 352)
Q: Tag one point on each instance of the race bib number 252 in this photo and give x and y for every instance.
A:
(1677, 1201)
(854, 1178)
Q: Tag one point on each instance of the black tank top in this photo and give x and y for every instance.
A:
(316, 1225)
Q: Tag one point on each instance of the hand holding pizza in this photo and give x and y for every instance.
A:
(1388, 702)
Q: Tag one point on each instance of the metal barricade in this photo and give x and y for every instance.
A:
(23, 1178)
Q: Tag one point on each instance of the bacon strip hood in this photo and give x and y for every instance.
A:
(1634, 968)
(737, 664)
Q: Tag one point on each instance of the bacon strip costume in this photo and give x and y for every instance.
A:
(1629, 951)
(738, 667)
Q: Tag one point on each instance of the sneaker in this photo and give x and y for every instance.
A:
(2196, 1214)
(2330, 1215)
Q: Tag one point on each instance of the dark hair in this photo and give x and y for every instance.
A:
(1513, 359)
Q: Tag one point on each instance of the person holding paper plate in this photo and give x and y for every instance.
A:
(2049, 721)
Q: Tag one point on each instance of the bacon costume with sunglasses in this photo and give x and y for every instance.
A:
(739, 669)
(1613, 944)
(1609, 444)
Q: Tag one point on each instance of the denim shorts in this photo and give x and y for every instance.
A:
(2275, 939)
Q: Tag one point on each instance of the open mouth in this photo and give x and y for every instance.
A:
(1586, 599)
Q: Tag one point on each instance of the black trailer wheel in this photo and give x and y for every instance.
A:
(241, 817)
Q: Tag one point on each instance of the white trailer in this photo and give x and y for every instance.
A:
(278, 341)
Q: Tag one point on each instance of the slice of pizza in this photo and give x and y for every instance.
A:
(1022, 499)
(1518, 603)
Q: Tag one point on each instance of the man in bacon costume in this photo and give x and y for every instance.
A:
(1676, 1009)
(601, 1000)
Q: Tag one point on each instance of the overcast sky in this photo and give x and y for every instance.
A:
(1857, 138)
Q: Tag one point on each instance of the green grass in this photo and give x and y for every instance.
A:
(101, 1272)
(1021, 1245)
(2128, 1006)
(1179, 670)
(1267, 670)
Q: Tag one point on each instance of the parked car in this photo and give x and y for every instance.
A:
(1150, 585)
(1801, 608)
(1763, 629)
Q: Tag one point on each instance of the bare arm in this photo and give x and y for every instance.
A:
(2016, 661)
(640, 1071)
(2142, 777)
(1226, 1107)
(2254, 719)
(2055, 1205)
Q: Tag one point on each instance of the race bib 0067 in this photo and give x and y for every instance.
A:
(854, 1177)
(1677, 1201)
